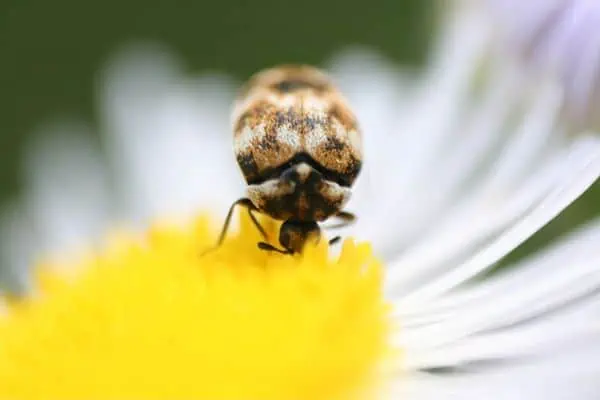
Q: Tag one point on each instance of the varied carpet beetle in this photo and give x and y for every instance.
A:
(298, 146)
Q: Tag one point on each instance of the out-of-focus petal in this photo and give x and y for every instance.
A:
(560, 38)
(169, 136)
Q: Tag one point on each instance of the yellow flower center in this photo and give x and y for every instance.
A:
(152, 318)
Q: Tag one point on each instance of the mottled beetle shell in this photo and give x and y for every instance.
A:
(297, 143)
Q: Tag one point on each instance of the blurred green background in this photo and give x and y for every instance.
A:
(51, 50)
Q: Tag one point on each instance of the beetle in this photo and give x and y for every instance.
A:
(299, 148)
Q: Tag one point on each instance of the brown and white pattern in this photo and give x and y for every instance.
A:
(290, 110)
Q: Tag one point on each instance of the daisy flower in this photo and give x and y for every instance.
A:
(464, 162)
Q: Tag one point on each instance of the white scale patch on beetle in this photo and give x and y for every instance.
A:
(290, 138)
(314, 138)
(243, 142)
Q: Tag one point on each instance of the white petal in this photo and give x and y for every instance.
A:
(472, 223)
(17, 247)
(579, 249)
(169, 136)
(508, 316)
(585, 169)
(66, 189)
(461, 163)
(522, 344)
(491, 331)
(552, 378)
(560, 39)
(398, 165)
(379, 98)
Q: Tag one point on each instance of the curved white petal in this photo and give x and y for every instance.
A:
(578, 249)
(405, 157)
(474, 221)
(584, 170)
(549, 304)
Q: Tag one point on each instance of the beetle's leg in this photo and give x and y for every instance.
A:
(251, 208)
(346, 219)
(244, 202)
(268, 247)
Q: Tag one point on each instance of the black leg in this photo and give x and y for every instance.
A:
(251, 208)
(346, 219)
(334, 240)
(244, 202)
(268, 247)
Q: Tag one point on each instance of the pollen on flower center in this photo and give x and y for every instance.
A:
(152, 318)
